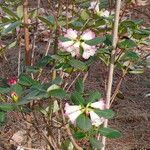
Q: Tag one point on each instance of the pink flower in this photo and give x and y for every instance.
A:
(12, 81)
(98, 105)
(88, 35)
(73, 45)
(95, 119)
(72, 112)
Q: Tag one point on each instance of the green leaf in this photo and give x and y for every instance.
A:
(44, 61)
(17, 89)
(107, 113)
(127, 43)
(33, 95)
(58, 93)
(84, 15)
(96, 143)
(77, 24)
(7, 107)
(79, 135)
(94, 96)
(110, 133)
(95, 41)
(77, 64)
(20, 11)
(9, 12)
(12, 26)
(130, 56)
(83, 122)
(79, 86)
(141, 33)
(57, 80)
(45, 20)
(64, 39)
(4, 90)
(26, 80)
(67, 145)
(2, 117)
(77, 98)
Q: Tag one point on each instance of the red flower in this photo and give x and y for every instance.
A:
(12, 81)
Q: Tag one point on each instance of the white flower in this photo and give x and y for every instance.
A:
(71, 34)
(99, 105)
(88, 35)
(72, 112)
(95, 119)
(95, 6)
(105, 13)
(73, 46)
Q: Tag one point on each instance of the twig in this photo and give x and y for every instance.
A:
(112, 61)
(73, 82)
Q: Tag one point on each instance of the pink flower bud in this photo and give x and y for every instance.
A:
(12, 81)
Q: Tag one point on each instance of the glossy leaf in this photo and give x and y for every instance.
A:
(44, 61)
(17, 89)
(96, 143)
(2, 117)
(77, 64)
(77, 98)
(9, 12)
(94, 96)
(79, 135)
(12, 26)
(4, 90)
(58, 93)
(83, 122)
(20, 11)
(127, 43)
(95, 41)
(110, 133)
(67, 145)
(7, 107)
(107, 113)
(79, 86)
(26, 80)
(64, 39)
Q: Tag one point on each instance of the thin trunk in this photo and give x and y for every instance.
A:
(111, 69)
(26, 34)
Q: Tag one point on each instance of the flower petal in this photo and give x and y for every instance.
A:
(88, 50)
(71, 109)
(71, 34)
(73, 116)
(94, 5)
(95, 119)
(66, 44)
(105, 13)
(88, 35)
(99, 105)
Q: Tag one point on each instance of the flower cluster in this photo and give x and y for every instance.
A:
(77, 41)
(74, 111)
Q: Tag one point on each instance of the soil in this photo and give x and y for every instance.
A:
(132, 111)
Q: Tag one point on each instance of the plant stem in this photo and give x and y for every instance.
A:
(112, 61)
(26, 32)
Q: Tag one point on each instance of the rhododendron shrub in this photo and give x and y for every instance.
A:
(54, 85)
